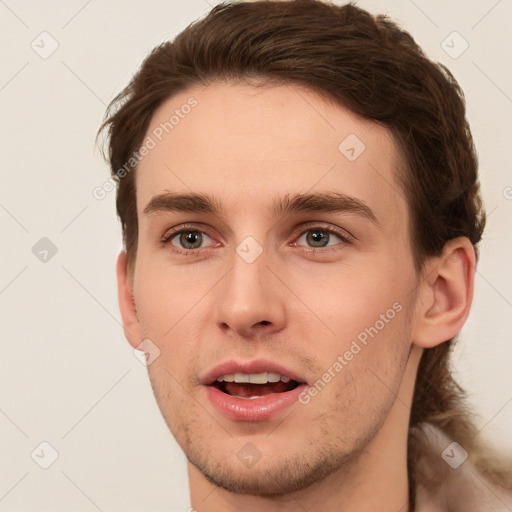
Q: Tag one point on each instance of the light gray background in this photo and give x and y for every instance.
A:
(68, 377)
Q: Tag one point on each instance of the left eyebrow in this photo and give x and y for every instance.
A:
(332, 202)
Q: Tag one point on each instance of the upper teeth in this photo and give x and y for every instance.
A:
(253, 378)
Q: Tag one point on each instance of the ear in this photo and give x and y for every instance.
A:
(131, 325)
(445, 294)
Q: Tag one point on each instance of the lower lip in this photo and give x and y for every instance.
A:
(255, 409)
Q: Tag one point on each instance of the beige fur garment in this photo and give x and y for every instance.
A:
(463, 489)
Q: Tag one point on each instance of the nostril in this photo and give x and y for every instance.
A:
(264, 322)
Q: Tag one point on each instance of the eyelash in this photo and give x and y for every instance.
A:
(345, 238)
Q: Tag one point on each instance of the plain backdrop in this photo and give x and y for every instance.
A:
(68, 378)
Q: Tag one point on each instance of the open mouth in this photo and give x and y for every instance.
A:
(254, 385)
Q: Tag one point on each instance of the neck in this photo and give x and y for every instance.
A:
(375, 480)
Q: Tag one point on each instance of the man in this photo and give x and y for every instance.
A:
(298, 192)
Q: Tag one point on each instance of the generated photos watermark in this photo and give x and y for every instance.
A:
(150, 143)
(357, 345)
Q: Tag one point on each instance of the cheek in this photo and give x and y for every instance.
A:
(168, 296)
(364, 373)
(168, 389)
(349, 302)
(167, 308)
(365, 341)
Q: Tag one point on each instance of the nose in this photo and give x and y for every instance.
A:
(250, 300)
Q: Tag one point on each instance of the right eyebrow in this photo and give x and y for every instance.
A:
(181, 203)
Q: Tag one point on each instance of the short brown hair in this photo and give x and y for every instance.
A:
(368, 65)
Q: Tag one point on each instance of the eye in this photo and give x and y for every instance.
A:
(188, 239)
(320, 237)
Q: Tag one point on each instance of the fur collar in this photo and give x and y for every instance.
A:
(461, 488)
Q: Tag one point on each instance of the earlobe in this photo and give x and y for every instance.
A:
(131, 325)
(445, 294)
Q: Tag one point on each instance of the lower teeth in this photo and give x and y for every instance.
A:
(248, 397)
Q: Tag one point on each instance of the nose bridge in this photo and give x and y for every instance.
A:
(246, 300)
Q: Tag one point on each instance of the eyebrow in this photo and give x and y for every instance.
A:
(330, 202)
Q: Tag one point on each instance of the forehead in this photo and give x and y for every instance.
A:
(244, 144)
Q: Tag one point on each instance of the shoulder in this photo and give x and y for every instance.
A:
(451, 483)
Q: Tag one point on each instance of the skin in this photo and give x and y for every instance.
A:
(247, 146)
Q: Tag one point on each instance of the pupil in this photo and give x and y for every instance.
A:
(318, 238)
(191, 239)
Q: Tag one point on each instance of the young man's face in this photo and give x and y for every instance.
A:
(296, 261)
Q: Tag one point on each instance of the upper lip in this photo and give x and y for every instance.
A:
(255, 366)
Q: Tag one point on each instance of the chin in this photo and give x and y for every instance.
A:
(272, 475)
